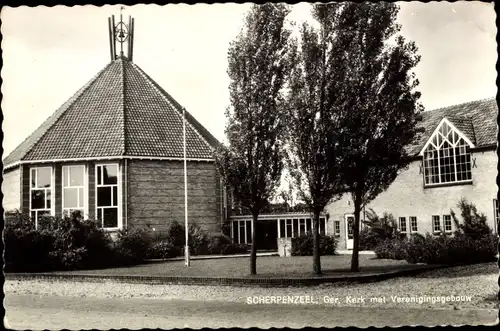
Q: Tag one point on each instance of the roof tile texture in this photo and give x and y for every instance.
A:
(476, 119)
(121, 111)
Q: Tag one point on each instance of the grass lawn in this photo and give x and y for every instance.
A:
(267, 266)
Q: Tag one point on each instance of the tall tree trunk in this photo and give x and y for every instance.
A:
(316, 252)
(253, 250)
(355, 232)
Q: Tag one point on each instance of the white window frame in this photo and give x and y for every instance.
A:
(85, 208)
(402, 220)
(445, 219)
(119, 198)
(336, 227)
(412, 229)
(52, 191)
(302, 226)
(238, 225)
(288, 222)
(438, 150)
(434, 219)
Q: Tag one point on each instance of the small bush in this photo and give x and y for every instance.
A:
(377, 230)
(392, 249)
(474, 225)
(176, 234)
(79, 243)
(303, 245)
(217, 243)
(368, 239)
(385, 249)
(234, 248)
(459, 249)
(68, 243)
(222, 244)
(132, 245)
(162, 250)
(198, 240)
(27, 250)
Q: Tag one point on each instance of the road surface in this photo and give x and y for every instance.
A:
(28, 311)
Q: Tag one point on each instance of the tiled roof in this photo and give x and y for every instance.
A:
(120, 112)
(476, 119)
(465, 125)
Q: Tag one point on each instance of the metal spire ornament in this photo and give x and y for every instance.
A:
(121, 33)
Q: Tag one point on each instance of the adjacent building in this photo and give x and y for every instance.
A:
(454, 158)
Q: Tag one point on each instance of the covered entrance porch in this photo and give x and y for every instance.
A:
(270, 227)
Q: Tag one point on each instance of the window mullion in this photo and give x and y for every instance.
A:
(439, 165)
(455, 163)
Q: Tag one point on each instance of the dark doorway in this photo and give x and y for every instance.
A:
(266, 235)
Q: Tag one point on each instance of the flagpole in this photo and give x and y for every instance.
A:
(186, 248)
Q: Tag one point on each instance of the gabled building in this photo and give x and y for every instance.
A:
(114, 152)
(454, 158)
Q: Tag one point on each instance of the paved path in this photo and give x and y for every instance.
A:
(57, 312)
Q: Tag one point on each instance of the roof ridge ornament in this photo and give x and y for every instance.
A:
(121, 33)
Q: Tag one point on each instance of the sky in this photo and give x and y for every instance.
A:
(50, 52)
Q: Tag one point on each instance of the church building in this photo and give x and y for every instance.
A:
(114, 152)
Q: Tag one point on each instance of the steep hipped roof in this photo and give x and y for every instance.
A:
(120, 112)
(476, 119)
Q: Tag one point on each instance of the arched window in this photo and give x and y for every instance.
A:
(447, 157)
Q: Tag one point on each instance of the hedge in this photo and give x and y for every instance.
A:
(303, 245)
(72, 243)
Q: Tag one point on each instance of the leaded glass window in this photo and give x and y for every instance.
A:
(447, 158)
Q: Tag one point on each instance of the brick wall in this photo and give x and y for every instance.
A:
(57, 171)
(407, 197)
(25, 189)
(11, 189)
(156, 194)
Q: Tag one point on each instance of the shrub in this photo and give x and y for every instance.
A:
(198, 240)
(132, 245)
(222, 244)
(385, 249)
(460, 249)
(162, 250)
(79, 243)
(27, 250)
(303, 245)
(176, 234)
(384, 227)
(395, 249)
(70, 259)
(474, 225)
(234, 248)
(368, 239)
(67, 243)
(217, 243)
(377, 230)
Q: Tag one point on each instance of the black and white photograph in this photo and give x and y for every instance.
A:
(327, 164)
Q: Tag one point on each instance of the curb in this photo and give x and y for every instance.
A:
(231, 281)
(210, 257)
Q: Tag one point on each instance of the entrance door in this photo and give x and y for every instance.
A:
(349, 224)
(266, 235)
